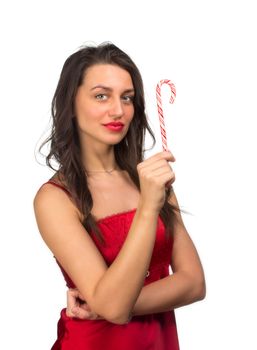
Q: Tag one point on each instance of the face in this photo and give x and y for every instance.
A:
(105, 96)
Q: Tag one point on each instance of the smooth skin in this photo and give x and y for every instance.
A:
(185, 286)
(107, 95)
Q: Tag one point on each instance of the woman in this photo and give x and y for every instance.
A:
(111, 218)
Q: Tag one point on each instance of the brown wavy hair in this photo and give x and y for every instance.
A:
(64, 140)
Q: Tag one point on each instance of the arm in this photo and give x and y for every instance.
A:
(187, 283)
(185, 286)
(60, 225)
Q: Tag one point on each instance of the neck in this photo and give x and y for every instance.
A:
(99, 158)
(100, 171)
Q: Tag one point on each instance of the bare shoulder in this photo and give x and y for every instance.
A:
(60, 227)
(49, 196)
(52, 204)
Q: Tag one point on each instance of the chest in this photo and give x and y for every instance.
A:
(116, 195)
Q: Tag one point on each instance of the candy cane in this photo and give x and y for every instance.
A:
(160, 111)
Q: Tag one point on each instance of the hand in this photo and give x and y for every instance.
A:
(155, 174)
(77, 306)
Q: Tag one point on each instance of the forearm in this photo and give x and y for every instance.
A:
(169, 293)
(123, 281)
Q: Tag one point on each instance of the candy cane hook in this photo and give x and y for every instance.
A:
(160, 110)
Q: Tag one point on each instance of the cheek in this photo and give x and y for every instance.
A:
(90, 113)
(93, 113)
(130, 112)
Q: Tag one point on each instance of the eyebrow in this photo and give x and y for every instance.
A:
(110, 89)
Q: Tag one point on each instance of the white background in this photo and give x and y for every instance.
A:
(208, 49)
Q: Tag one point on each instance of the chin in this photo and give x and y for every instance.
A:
(114, 141)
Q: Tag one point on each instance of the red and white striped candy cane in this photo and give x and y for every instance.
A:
(160, 110)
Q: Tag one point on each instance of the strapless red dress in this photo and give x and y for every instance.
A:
(145, 332)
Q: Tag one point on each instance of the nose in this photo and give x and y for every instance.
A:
(116, 108)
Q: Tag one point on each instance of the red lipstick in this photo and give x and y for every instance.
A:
(114, 126)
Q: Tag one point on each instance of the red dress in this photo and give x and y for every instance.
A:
(145, 332)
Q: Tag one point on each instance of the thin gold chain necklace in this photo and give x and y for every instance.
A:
(101, 171)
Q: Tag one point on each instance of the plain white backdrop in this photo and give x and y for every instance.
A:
(208, 49)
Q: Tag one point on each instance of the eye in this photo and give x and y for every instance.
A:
(101, 97)
(128, 98)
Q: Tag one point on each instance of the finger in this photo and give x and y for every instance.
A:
(72, 295)
(168, 179)
(164, 176)
(72, 292)
(165, 154)
(75, 294)
(79, 312)
(80, 296)
(159, 164)
(161, 155)
(162, 172)
(169, 183)
(69, 313)
(85, 307)
(172, 158)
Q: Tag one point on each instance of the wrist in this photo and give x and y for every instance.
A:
(146, 210)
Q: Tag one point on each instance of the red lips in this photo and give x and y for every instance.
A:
(115, 124)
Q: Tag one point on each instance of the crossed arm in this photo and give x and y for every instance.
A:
(185, 286)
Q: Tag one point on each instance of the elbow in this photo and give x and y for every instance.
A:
(114, 310)
(120, 318)
(114, 315)
(195, 287)
(117, 319)
(199, 289)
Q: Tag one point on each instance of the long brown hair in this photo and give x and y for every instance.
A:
(64, 140)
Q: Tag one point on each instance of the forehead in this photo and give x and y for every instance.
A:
(109, 75)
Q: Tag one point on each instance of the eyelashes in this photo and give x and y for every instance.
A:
(129, 98)
(125, 98)
(101, 97)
